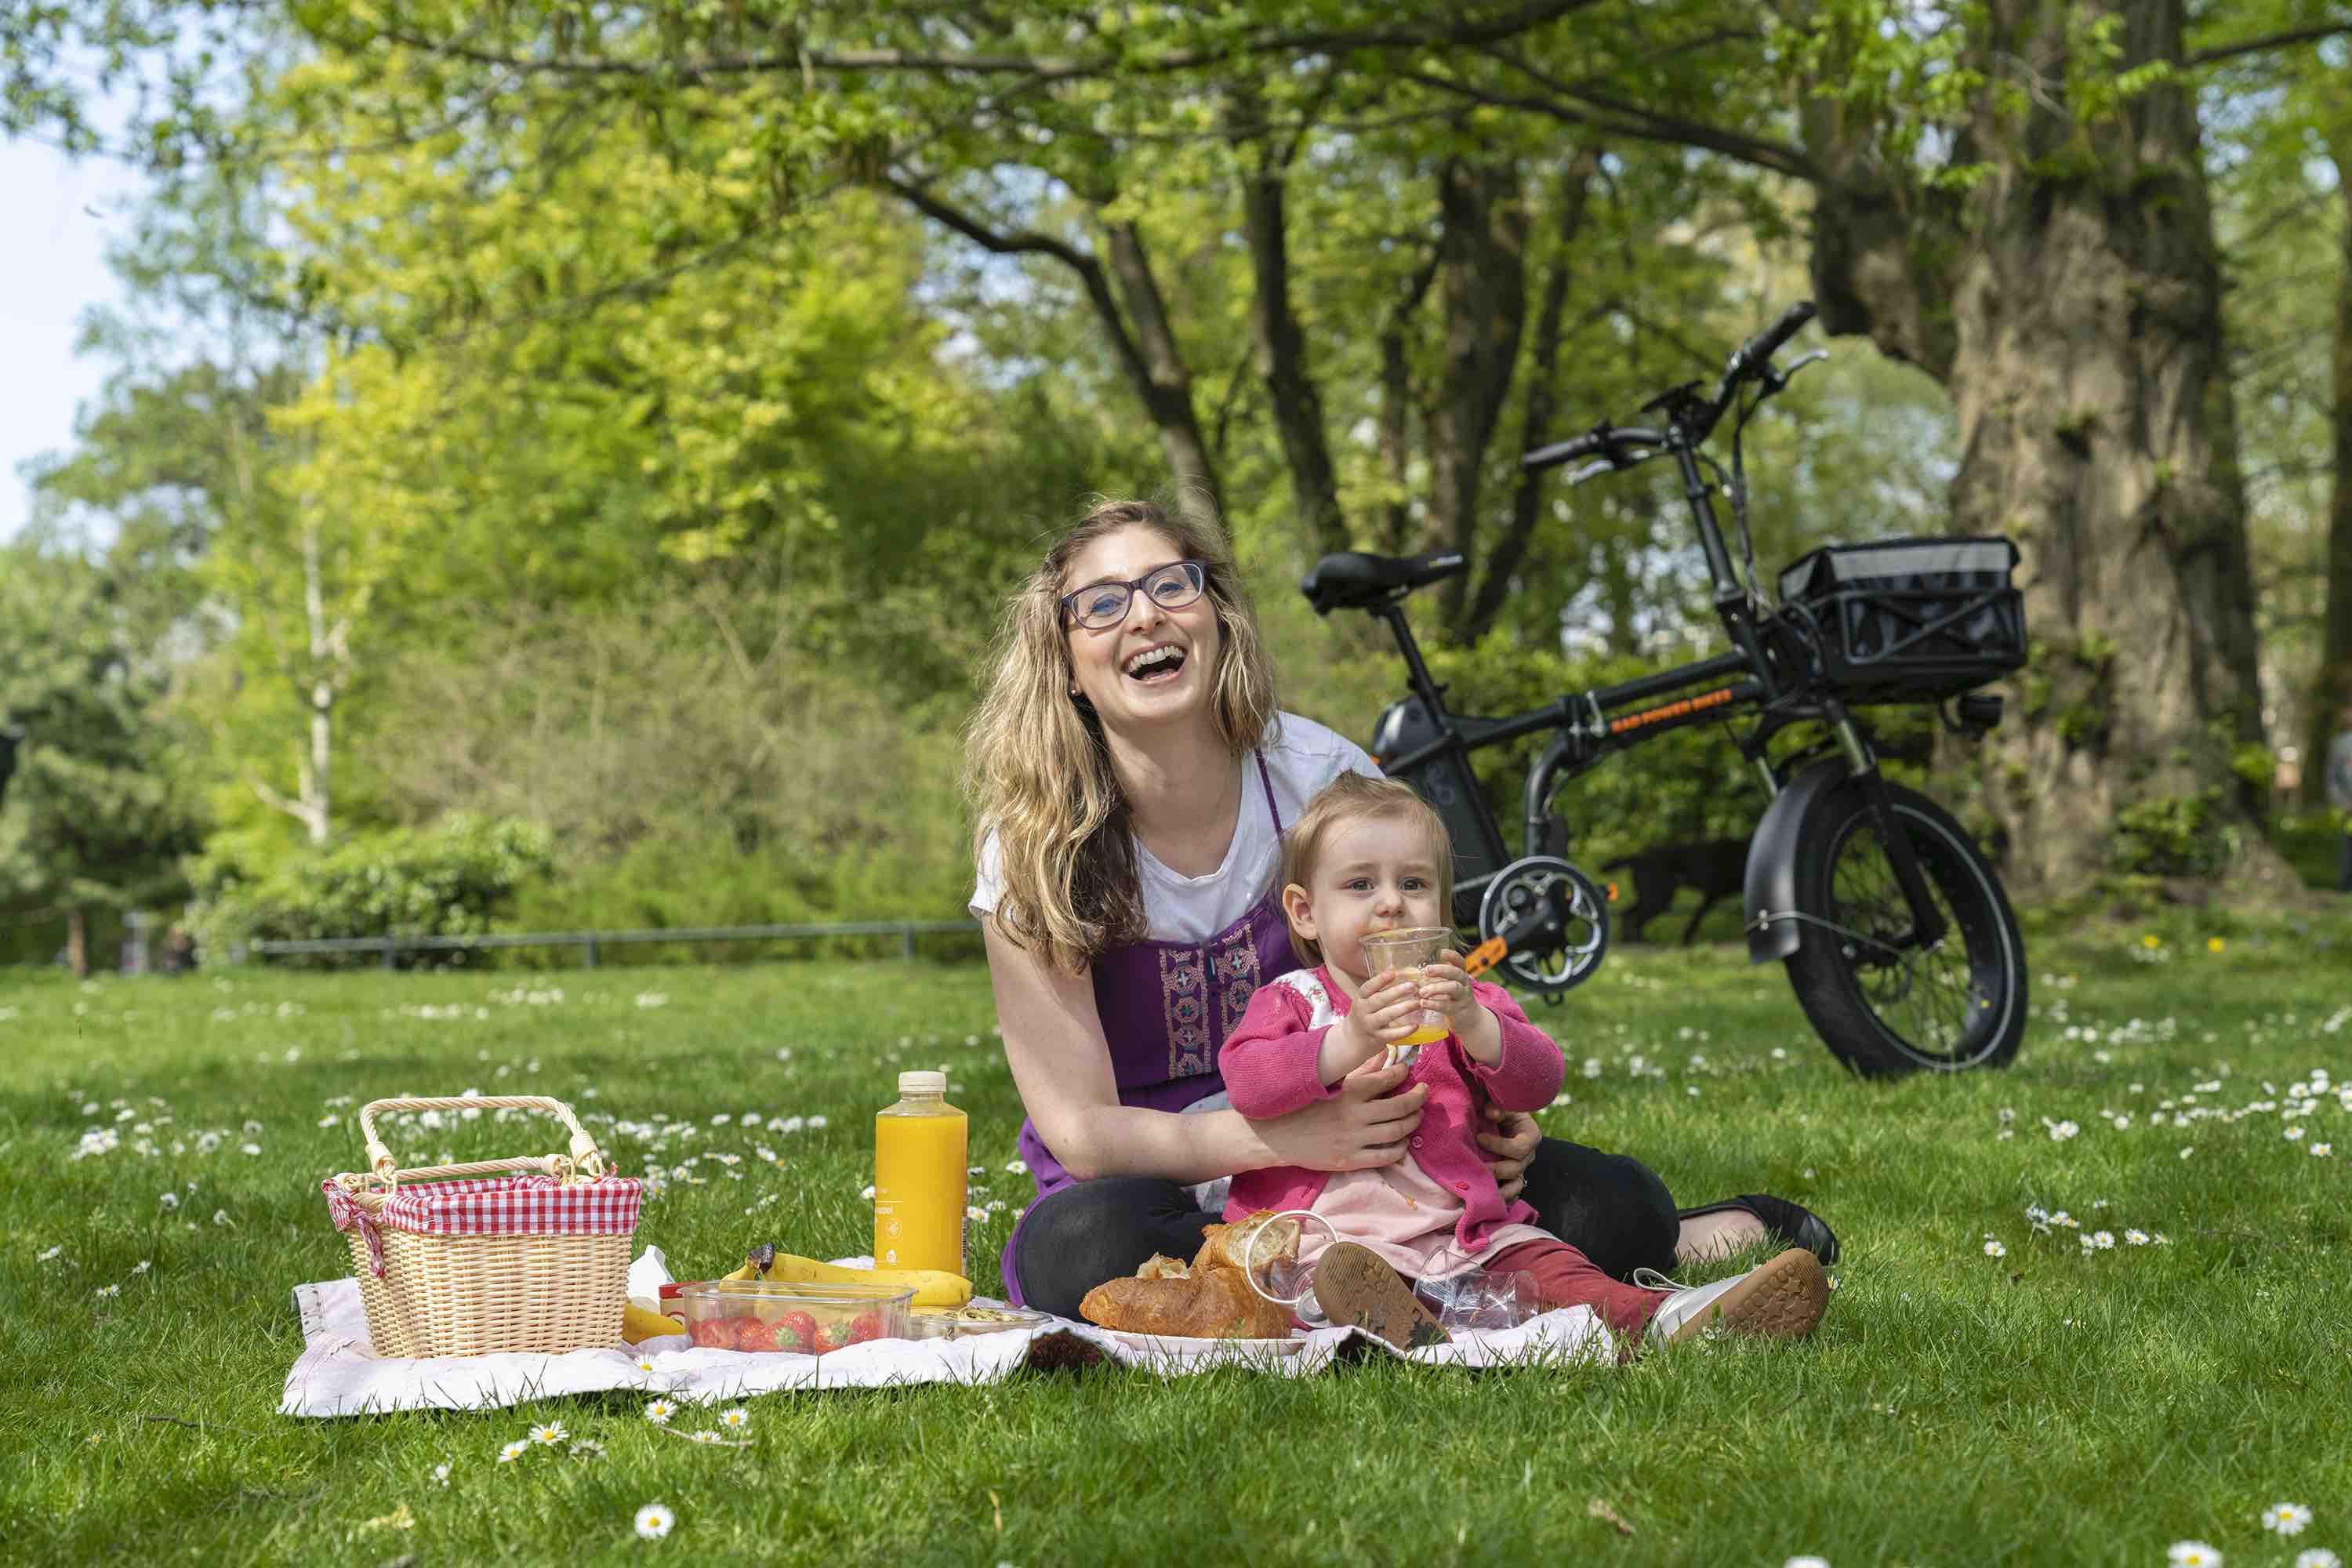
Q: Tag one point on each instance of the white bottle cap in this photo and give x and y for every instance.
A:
(922, 1083)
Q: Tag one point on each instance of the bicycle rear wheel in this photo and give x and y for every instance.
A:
(1882, 1010)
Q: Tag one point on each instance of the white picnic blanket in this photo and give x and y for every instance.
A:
(338, 1374)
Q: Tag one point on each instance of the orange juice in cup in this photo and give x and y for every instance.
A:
(1408, 951)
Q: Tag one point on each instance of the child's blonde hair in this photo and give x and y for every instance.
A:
(1353, 798)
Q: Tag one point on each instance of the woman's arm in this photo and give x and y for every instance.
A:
(1060, 1058)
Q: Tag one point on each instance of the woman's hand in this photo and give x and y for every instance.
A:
(1512, 1146)
(1361, 1127)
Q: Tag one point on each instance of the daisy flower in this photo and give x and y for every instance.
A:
(2287, 1518)
(707, 1437)
(441, 1475)
(735, 1420)
(654, 1521)
(2323, 1150)
(587, 1448)
(2318, 1557)
(513, 1451)
(2103, 1240)
(659, 1411)
(644, 1363)
(1995, 1249)
(1806, 1562)
(548, 1434)
(2192, 1554)
(2137, 1237)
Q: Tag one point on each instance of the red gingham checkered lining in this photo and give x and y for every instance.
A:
(497, 1206)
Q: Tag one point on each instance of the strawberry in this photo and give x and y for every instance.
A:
(715, 1333)
(866, 1325)
(797, 1332)
(836, 1336)
(750, 1334)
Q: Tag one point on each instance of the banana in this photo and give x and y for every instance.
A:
(932, 1287)
(638, 1325)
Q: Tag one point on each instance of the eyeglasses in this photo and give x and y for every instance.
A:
(1100, 605)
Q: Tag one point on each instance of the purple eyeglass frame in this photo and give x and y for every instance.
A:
(1070, 613)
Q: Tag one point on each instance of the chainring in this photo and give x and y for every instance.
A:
(1515, 889)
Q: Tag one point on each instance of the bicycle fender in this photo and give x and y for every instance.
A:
(1771, 888)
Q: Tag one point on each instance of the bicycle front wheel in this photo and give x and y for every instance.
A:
(1882, 1009)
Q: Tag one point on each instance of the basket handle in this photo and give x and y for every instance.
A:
(585, 1156)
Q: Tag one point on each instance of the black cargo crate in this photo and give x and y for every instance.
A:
(1910, 620)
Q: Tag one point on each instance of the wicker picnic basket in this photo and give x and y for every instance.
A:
(536, 1262)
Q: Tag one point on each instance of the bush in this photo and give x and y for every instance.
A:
(446, 881)
(2173, 836)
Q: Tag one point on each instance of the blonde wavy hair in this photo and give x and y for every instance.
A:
(1356, 798)
(1037, 769)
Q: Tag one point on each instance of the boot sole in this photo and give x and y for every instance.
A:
(1782, 1299)
(1356, 1287)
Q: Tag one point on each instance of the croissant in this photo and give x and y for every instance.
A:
(1211, 1299)
(1218, 1305)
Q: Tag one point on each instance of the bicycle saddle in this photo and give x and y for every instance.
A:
(1352, 580)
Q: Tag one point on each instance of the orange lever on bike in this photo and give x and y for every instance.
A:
(1484, 956)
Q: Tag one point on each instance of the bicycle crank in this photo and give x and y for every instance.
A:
(1545, 921)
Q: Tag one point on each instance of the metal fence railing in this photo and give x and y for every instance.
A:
(591, 942)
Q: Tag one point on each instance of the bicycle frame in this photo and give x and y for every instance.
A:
(1588, 731)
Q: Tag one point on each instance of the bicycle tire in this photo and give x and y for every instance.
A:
(1848, 996)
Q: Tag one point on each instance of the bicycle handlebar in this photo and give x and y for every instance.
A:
(1609, 442)
(1752, 354)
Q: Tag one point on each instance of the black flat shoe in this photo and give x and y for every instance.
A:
(1791, 1224)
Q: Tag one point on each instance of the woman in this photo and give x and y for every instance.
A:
(1131, 776)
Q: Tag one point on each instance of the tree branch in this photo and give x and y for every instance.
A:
(1461, 34)
(1780, 156)
(1635, 123)
(1143, 341)
(2220, 52)
(309, 815)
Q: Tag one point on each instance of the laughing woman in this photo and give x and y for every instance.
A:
(1131, 776)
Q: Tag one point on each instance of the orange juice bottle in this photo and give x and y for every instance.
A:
(920, 1148)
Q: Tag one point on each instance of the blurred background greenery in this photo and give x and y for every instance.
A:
(563, 462)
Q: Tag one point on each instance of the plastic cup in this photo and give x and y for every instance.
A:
(1408, 951)
(1270, 1258)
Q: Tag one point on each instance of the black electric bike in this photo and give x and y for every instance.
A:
(1894, 929)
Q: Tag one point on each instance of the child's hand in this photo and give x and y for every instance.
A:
(1386, 1012)
(1446, 987)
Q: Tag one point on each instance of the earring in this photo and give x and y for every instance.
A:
(1073, 688)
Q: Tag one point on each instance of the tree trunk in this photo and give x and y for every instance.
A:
(2098, 430)
(2333, 687)
(1165, 381)
(318, 770)
(78, 941)
(1290, 388)
(1397, 409)
(1481, 283)
(1510, 548)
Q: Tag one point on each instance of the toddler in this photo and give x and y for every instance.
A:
(1367, 856)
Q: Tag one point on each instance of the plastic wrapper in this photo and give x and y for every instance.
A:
(1479, 1298)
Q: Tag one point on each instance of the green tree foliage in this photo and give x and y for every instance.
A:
(94, 817)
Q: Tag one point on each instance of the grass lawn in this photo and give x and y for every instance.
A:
(2059, 1403)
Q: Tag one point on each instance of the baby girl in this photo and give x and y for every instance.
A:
(1369, 856)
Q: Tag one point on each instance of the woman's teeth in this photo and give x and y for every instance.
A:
(1158, 663)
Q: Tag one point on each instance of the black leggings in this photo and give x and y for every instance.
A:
(1611, 1207)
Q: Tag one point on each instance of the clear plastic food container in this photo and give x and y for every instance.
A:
(804, 1320)
(968, 1322)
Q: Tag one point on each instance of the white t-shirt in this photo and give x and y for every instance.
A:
(1301, 757)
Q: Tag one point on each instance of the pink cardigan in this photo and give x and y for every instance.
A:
(1269, 1068)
